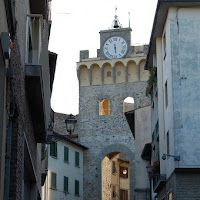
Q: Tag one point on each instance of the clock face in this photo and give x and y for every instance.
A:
(115, 47)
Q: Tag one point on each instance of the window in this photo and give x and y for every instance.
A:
(168, 150)
(164, 46)
(123, 172)
(53, 180)
(123, 194)
(166, 95)
(76, 187)
(65, 184)
(53, 149)
(114, 194)
(76, 159)
(104, 107)
(66, 154)
(113, 167)
(128, 104)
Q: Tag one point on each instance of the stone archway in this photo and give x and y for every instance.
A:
(117, 148)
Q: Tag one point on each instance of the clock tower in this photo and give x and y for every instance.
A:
(105, 83)
(115, 43)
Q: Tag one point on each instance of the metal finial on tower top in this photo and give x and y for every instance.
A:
(116, 23)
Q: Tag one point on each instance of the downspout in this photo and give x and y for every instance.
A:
(9, 136)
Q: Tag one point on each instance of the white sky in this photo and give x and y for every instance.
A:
(79, 30)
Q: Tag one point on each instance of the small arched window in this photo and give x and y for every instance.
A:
(104, 107)
(128, 104)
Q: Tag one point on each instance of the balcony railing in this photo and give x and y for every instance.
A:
(158, 181)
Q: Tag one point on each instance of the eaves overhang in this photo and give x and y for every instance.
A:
(39, 7)
(35, 95)
(52, 67)
(146, 152)
(159, 23)
(68, 139)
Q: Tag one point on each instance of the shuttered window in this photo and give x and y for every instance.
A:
(123, 194)
(65, 184)
(76, 159)
(53, 180)
(66, 154)
(53, 149)
(76, 187)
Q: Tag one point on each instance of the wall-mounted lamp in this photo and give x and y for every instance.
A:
(70, 124)
(149, 168)
(176, 158)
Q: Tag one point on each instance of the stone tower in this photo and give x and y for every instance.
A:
(104, 83)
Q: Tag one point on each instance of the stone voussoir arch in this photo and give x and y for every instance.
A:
(122, 149)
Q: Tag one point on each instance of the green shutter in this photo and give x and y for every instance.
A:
(53, 180)
(77, 159)
(53, 149)
(65, 184)
(66, 154)
(76, 187)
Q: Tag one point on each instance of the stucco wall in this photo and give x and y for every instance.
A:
(186, 75)
(61, 168)
(182, 72)
(142, 137)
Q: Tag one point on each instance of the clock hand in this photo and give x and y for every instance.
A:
(115, 48)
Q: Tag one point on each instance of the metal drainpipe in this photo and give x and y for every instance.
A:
(9, 136)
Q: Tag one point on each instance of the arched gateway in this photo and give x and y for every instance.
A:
(114, 149)
(104, 83)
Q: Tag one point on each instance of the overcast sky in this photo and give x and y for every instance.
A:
(76, 25)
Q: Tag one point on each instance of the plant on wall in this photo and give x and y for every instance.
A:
(152, 75)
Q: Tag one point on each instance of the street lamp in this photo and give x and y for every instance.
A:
(70, 123)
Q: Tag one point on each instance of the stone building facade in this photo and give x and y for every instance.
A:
(175, 115)
(104, 84)
(25, 97)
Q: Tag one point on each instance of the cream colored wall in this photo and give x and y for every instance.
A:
(132, 72)
(120, 73)
(124, 183)
(84, 76)
(106, 178)
(120, 183)
(131, 64)
(107, 68)
(96, 75)
(144, 74)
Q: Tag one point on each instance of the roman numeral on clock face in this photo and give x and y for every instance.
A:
(115, 47)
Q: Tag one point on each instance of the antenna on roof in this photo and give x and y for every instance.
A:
(129, 19)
